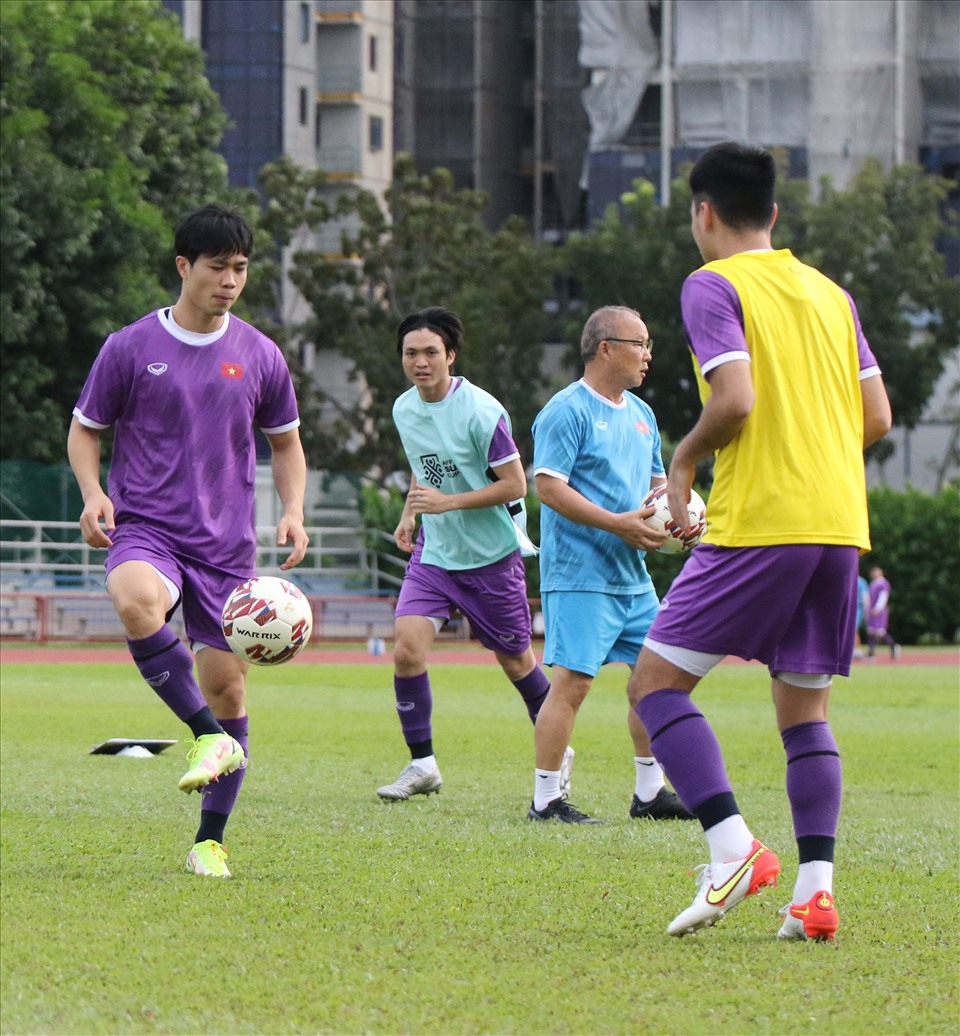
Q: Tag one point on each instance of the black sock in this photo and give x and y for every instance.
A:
(211, 826)
(202, 722)
(421, 749)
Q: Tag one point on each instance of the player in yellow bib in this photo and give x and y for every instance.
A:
(791, 396)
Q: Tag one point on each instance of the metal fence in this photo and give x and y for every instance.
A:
(40, 556)
(51, 582)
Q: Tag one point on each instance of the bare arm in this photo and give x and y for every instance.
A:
(407, 526)
(83, 452)
(290, 478)
(724, 414)
(574, 506)
(510, 484)
(877, 417)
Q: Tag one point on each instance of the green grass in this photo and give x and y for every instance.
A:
(453, 914)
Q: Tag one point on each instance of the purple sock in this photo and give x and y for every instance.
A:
(685, 745)
(814, 784)
(414, 707)
(167, 665)
(533, 688)
(220, 796)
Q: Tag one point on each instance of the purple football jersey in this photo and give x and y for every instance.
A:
(184, 406)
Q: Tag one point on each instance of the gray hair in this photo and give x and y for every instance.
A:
(601, 324)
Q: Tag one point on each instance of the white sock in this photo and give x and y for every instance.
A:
(649, 778)
(729, 840)
(546, 787)
(428, 763)
(815, 876)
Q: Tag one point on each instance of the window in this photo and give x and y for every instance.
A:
(304, 113)
(376, 133)
(316, 126)
(372, 53)
(304, 23)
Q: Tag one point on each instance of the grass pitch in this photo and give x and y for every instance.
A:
(453, 914)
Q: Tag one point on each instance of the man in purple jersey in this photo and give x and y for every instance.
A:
(183, 388)
(791, 395)
(467, 480)
(878, 614)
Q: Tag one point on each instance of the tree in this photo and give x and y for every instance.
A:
(109, 132)
(295, 210)
(877, 239)
(638, 255)
(425, 244)
(915, 538)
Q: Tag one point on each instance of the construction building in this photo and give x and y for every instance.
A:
(833, 81)
(491, 91)
(555, 107)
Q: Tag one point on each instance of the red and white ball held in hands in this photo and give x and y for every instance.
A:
(676, 542)
(267, 620)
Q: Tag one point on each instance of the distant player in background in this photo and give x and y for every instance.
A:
(791, 396)
(596, 455)
(863, 596)
(183, 388)
(467, 477)
(878, 614)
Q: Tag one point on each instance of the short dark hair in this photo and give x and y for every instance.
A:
(442, 322)
(601, 325)
(739, 181)
(213, 230)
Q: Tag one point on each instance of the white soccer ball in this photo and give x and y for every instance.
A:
(267, 620)
(661, 519)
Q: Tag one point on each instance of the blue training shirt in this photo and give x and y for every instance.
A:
(608, 452)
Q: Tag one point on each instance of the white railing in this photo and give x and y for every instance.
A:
(37, 556)
(51, 584)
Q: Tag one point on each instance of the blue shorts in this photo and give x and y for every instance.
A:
(203, 588)
(585, 629)
(791, 607)
(493, 598)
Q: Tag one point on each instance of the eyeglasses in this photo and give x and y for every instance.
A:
(648, 344)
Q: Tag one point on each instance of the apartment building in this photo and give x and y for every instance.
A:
(312, 79)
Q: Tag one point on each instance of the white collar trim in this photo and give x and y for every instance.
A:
(170, 325)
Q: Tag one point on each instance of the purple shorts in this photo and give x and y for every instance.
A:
(877, 623)
(792, 607)
(492, 597)
(203, 588)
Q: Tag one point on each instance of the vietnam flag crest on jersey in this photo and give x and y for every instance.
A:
(231, 370)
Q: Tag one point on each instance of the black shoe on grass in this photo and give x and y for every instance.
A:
(562, 811)
(666, 806)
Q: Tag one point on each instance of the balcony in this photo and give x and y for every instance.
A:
(339, 161)
(339, 85)
(338, 12)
